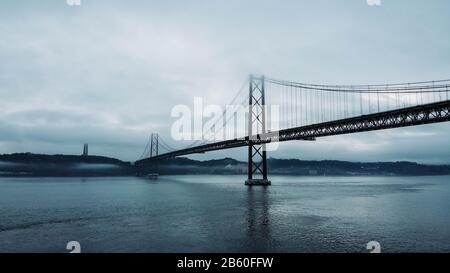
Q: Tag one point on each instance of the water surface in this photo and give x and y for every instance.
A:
(220, 214)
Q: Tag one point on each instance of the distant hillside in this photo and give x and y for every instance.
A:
(27, 164)
(329, 167)
(301, 167)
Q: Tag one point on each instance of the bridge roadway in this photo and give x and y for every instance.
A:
(411, 116)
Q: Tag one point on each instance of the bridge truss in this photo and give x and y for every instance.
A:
(418, 115)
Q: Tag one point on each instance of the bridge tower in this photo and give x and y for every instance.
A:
(85, 149)
(154, 151)
(154, 143)
(257, 154)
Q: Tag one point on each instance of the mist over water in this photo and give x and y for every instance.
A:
(219, 214)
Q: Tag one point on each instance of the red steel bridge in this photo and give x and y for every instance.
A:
(309, 111)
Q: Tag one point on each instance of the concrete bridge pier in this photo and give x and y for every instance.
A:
(258, 182)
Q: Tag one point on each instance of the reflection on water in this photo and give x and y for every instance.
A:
(220, 214)
(258, 228)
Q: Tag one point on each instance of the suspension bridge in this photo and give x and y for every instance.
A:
(307, 112)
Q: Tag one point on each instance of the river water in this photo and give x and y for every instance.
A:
(220, 214)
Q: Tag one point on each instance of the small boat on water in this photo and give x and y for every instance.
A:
(152, 176)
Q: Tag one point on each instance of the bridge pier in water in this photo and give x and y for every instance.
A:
(257, 154)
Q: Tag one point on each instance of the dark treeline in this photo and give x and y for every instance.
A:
(27, 164)
(330, 167)
(299, 167)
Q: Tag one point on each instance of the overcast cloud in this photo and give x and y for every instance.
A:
(109, 72)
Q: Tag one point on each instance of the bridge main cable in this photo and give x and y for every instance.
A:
(417, 115)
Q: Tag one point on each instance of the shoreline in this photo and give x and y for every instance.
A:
(206, 174)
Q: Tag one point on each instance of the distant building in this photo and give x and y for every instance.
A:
(85, 149)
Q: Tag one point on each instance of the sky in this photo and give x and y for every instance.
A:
(109, 72)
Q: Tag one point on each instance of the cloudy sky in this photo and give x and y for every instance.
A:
(109, 72)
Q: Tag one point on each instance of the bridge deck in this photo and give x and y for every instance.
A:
(417, 115)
